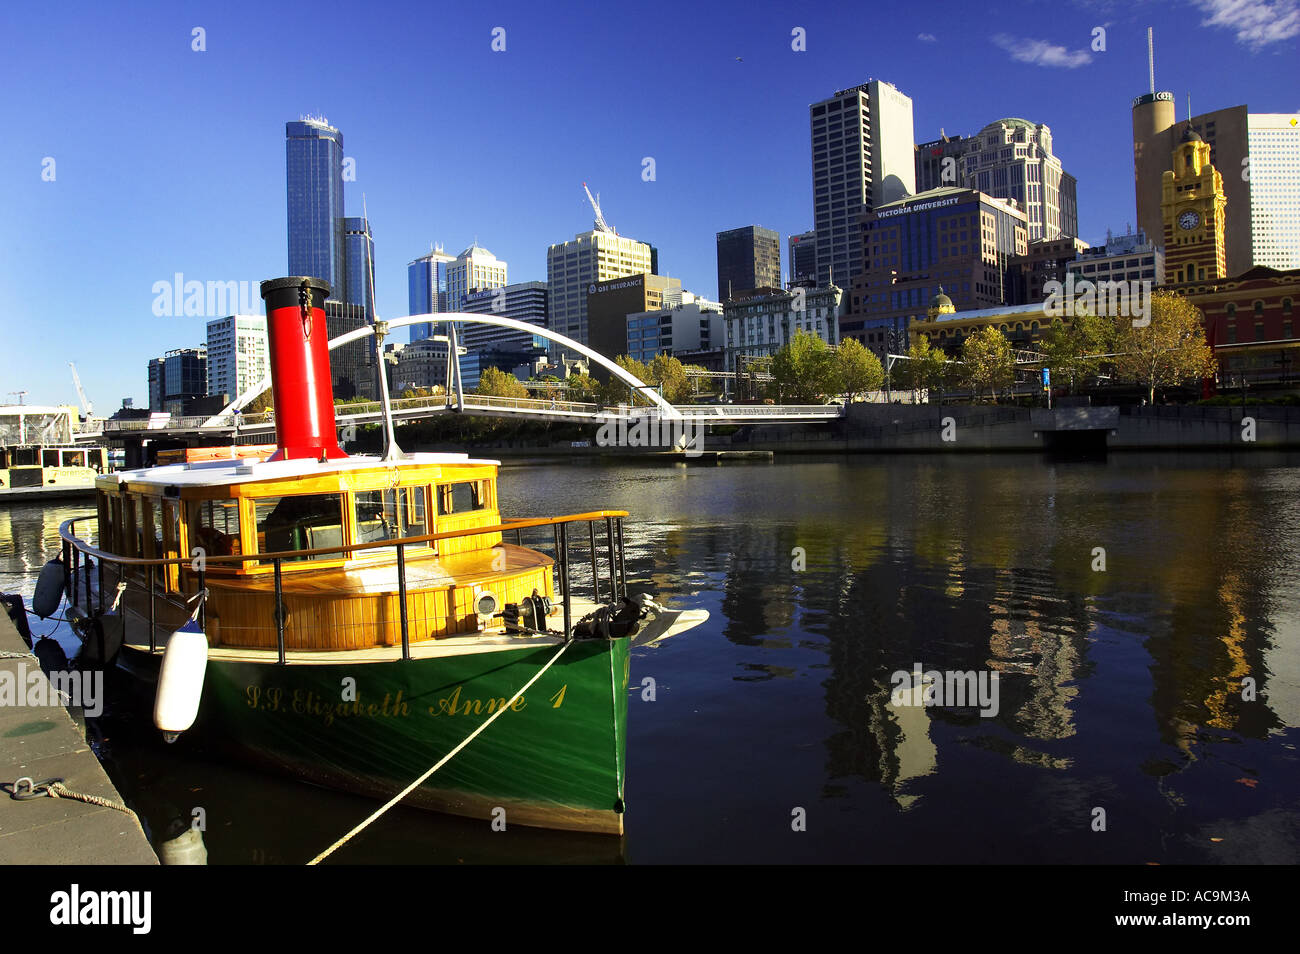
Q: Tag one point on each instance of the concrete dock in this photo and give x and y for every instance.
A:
(44, 742)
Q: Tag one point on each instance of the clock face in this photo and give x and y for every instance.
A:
(1189, 220)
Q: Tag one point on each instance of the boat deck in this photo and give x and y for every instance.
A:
(355, 607)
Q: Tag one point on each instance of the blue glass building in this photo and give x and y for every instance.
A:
(359, 254)
(426, 288)
(314, 175)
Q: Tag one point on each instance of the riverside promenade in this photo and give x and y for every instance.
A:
(42, 742)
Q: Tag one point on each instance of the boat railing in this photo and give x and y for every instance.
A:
(78, 556)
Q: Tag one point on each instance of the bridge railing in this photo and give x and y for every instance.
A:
(194, 422)
(763, 410)
(405, 407)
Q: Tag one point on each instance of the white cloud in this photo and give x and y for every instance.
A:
(1042, 53)
(927, 38)
(1257, 22)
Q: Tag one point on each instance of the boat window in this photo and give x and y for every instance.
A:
(216, 525)
(50, 458)
(133, 542)
(300, 522)
(462, 498)
(390, 514)
(156, 522)
(105, 537)
(115, 541)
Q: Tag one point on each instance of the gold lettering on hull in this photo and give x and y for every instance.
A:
(307, 702)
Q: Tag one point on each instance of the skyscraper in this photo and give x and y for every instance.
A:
(862, 156)
(523, 301)
(1274, 141)
(359, 256)
(610, 302)
(938, 163)
(237, 354)
(575, 266)
(177, 377)
(1153, 117)
(426, 288)
(314, 176)
(748, 258)
(803, 257)
(958, 241)
(473, 270)
(1012, 159)
(1258, 155)
(1007, 159)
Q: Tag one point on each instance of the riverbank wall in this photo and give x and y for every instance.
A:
(932, 428)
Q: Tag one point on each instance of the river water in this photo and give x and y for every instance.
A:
(1122, 604)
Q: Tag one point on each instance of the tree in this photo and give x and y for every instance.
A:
(988, 361)
(667, 372)
(260, 404)
(804, 370)
(926, 367)
(857, 368)
(496, 383)
(1169, 349)
(581, 387)
(748, 386)
(1071, 350)
(616, 390)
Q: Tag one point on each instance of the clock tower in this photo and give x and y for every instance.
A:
(1193, 204)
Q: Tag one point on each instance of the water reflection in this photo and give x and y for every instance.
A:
(1120, 603)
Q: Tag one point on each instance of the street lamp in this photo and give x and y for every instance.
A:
(891, 345)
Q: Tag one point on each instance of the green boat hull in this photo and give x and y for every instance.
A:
(556, 759)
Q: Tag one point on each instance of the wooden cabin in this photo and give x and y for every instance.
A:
(209, 510)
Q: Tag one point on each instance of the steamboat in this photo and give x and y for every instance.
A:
(352, 620)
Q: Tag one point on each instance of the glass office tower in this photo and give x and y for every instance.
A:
(314, 166)
(359, 253)
(426, 288)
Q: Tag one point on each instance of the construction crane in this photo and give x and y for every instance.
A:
(81, 392)
(601, 224)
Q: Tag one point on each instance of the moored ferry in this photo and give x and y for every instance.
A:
(39, 456)
(358, 618)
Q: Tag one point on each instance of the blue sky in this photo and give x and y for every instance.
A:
(170, 160)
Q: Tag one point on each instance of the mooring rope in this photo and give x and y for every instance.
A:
(441, 762)
(55, 788)
(59, 790)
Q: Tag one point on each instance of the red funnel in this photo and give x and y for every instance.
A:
(300, 369)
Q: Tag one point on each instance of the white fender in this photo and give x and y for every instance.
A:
(180, 679)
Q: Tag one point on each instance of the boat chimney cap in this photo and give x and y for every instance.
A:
(272, 284)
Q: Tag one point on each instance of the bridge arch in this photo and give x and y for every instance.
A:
(666, 409)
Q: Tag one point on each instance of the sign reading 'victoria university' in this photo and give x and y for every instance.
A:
(920, 207)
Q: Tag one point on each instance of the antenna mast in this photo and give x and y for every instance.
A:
(1151, 61)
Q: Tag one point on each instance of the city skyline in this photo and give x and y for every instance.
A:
(211, 206)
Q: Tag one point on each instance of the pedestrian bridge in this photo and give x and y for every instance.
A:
(231, 420)
(475, 405)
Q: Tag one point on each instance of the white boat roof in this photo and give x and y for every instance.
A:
(217, 472)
